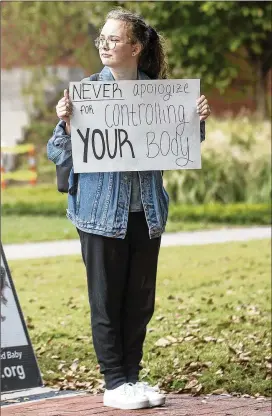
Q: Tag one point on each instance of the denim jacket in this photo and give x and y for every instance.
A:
(101, 202)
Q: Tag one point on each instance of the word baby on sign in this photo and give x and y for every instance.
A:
(135, 125)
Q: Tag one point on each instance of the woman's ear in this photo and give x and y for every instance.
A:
(136, 49)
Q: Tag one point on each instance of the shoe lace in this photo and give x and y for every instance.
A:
(143, 385)
(129, 389)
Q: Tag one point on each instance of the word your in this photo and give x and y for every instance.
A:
(100, 143)
(166, 90)
(163, 144)
(96, 92)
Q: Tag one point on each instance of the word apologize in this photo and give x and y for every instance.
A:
(109, 135)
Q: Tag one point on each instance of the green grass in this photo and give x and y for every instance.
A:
(212, 309)
(24, 229)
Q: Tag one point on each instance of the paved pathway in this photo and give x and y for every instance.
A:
(176, 405)
(69, 247)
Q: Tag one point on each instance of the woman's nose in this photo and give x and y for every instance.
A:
(105, 45)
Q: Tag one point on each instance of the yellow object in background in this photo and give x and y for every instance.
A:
(29, 175)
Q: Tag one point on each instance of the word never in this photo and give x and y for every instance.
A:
(96, 92)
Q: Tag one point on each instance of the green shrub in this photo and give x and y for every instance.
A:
(236, 165)
(219, 213)
(45, 200)
(36, 200)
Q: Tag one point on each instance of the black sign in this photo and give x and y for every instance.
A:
(19, 367)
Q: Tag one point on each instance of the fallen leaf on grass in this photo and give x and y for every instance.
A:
(40, 351)
(160, 318)
(189, 338)
(162, 342)
(49, 340)
(171, 339)
(82, 337)
(244, 358)
(197, 389)
(176, 362)
(219, 372)
(74, 366)
(219, 391)
(191, 384)
(209, 339)
(194, 365)
(29, 323)
(168, 340)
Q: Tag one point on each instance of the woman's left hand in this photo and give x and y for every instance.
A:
(203, 107)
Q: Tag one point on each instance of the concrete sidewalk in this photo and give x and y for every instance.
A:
(176, 405)
(70, 247)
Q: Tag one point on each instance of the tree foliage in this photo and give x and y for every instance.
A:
(204, 38)
(207, 40)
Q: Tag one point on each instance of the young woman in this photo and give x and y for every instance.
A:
(120, 217)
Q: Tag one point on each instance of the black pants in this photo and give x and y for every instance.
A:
(121, 275)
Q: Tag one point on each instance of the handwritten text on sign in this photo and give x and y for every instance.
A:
(135, 125)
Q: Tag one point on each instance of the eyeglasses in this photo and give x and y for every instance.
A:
(109, 42)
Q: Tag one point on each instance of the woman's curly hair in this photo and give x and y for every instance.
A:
(152, 60)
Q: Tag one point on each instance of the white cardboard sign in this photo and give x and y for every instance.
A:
(135, 125)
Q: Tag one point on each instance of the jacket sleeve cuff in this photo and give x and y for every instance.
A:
(61, 140)
(202, 131)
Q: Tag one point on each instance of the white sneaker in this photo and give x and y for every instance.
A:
(126, 396)
(153, 394)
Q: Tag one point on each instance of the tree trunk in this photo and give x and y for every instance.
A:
(261, 90)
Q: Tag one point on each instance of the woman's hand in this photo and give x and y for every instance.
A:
(203, 108)
(64, 108)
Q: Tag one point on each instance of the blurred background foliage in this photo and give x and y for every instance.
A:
(213, 41)
(207, 40)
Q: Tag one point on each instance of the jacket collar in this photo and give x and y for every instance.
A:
(106, 75)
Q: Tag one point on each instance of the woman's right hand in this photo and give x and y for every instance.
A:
(64, 108)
